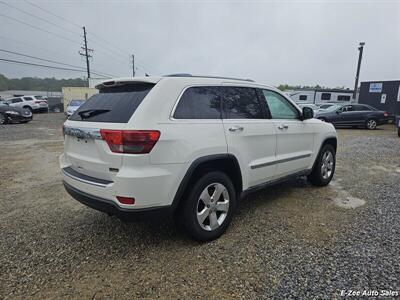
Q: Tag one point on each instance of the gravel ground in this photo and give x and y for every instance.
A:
(291, 240)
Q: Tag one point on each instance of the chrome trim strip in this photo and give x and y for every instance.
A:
(280, 161)
(83, 133)
(83, 180)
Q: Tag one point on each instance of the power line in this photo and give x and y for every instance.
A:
(53, 14)
(55, 62)
(110, 45)
(41, 29)
(39, 65)
(37, 17)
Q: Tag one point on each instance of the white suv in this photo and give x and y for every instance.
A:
(191, 146)
(33, 103)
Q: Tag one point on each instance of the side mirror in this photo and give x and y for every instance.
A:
(308, 113)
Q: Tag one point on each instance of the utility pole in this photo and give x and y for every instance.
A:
(133, 65)
(86, 53)
(360, 49)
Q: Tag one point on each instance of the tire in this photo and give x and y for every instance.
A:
(3, 119)
(324, 167)
(398, 132)
(371, 124)
(217, 213)
(30, 108)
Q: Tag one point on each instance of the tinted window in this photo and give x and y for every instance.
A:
(347, 108)
(241, 103)
(199, 103)
(361, 108)
(303, 97)
(326, 96)
(28, 98)
(16, 100)
(343, 98)
(113, 104)
(280, 107)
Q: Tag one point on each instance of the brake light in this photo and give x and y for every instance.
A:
(130, 141)
(126, 200)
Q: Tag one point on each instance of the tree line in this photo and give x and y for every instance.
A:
(38, 84)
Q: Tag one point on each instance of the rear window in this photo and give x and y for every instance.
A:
(113, 104)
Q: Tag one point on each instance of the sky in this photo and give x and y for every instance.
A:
(272, 42)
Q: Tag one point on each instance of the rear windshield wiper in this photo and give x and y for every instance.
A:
(85, 114)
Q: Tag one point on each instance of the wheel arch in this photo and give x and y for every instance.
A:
(332, 140)
(226, 163)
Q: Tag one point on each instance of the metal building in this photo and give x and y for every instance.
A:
(383, 95)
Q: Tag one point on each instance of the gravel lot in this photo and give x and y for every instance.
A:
(289, 240)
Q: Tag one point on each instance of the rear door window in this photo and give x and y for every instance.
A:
(16, 100)
(113, 104)
(199, 103)
(241, 103)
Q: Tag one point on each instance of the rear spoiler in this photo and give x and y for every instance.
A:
(127, 80)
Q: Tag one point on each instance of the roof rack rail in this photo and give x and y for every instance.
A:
(204, 76)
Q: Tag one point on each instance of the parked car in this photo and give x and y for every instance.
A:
(73, 106)
(10, 114)
(189, 146)
(353, 115)
(33, 103)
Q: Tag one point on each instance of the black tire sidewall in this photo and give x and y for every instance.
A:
(189, 209)
(318, 179)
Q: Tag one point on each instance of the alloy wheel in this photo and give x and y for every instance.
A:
(2, 119)
(212, 206)
(371, 124)
(327, 164)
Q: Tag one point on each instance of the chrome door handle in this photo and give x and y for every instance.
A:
(284, 126)
(236, 128)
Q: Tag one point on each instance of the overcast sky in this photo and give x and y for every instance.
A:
(274, 42)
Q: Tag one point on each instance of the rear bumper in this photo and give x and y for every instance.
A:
(110, 207)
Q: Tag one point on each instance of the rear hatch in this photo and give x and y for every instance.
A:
(107, 112)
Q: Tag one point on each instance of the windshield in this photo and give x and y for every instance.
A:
(76, 102)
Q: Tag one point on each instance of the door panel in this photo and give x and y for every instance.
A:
(294, 148)
(253, 142)
(294, 138)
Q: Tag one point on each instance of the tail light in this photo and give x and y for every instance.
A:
(38, 102)
(385, 114)
(130, 141)
(126, 200)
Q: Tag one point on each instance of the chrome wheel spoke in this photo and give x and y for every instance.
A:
(219, 188)
(223, 206)
(213, 220)
(202, 216)
(205, 197)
